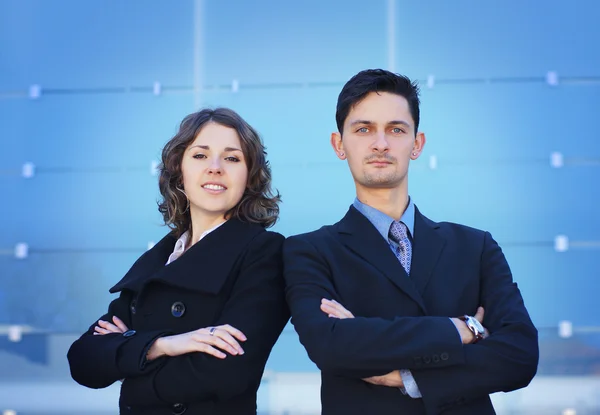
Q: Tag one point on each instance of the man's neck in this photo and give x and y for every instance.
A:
(392, 202)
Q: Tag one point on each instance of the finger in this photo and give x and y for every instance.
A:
(368, 380)
(331, 311)
(100, 330)
(374, 380)
(208, 349)
(328, 308)
(332, 306)
(216, 341)
(119, 323)
(234, 332)
(341, 308)
(479, 314)
(331, 303)
(229, 339)
(112, 328)
(337, 309)
(109, 326)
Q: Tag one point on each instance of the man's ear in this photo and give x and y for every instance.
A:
(418, 146)
(338, 145)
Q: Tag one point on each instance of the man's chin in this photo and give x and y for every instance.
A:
(382, 183)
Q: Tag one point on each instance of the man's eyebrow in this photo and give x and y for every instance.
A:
(399, 122)
(361, 122)
(367, 122)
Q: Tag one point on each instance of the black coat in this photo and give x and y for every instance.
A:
(402, 322)
(232, 276)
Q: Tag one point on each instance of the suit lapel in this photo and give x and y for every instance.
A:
(203, 267)
(428, 245)
(360, 236)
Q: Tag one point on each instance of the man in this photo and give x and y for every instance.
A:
(387, 302)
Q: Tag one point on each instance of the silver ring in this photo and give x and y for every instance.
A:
(211, 331)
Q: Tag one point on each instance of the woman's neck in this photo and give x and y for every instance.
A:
(202, 223)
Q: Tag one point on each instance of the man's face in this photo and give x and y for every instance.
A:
(379, 141)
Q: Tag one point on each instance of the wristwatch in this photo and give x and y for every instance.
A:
(475, 326)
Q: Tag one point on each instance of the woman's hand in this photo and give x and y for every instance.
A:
(105, 327)
(206, 340)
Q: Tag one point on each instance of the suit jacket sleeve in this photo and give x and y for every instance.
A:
(256, 307)
(505, 361)
(99, 361)
(358, 347)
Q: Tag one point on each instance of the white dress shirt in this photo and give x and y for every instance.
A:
(182, 243)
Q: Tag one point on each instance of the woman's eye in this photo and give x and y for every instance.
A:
(199, 156)
(232, 158)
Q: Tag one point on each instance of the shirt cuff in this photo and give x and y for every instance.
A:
(410, 385)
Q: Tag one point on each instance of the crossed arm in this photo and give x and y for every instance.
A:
(362, 347)
(159, 367)
(394, 379)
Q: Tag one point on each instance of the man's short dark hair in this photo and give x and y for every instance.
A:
(376, 80)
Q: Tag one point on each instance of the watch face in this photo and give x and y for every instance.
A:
(476, 324)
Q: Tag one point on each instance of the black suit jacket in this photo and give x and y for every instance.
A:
(232, 276)
(402, 322)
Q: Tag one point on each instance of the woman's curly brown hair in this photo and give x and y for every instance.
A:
(258, 204)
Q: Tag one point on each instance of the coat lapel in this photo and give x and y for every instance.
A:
(428, 244)
(360, 236)
(146, 265)
(203, 267)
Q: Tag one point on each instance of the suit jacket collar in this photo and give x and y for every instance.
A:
(203, 267)
(428, 244)
(359, 235)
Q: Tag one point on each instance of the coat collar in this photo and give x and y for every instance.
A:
(203, 267)
(359, 235)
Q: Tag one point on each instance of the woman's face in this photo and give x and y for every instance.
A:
(214, 171)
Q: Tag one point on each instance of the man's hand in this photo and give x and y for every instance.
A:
(466, 335)
(392, 379)
(335, 310)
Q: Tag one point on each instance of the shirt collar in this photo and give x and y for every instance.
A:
(182, 242)
(382, 222)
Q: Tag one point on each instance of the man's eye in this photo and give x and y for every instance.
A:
(397, 131)
(363, 130)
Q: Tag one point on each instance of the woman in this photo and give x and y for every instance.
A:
(198, 313)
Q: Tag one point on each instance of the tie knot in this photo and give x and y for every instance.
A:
(398, 232)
